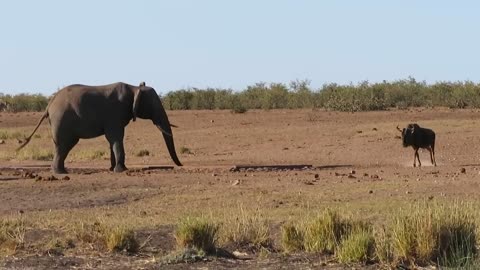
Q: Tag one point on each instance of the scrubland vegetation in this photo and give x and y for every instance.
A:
(364, 96)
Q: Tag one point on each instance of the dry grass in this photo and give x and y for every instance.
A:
(324, 233)
(142, 153)
(90, 155)
(12, 234)
(358, 246)
(6, 134)
(120, 238)
(246, 230)
(430, 233)
(292, 238)
(100, 236)
(185, 150)
(35, 153)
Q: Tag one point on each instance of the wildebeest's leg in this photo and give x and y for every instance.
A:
(115, 138)
(432, 155)
(62, 148)
(418, 157)
(415, 157)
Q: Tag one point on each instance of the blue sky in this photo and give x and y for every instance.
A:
(45, 45)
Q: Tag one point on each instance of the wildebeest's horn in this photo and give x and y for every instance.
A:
(399, 129)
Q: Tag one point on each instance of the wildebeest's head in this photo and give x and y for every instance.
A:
(408, 134)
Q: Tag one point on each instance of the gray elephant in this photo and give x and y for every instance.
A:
(84, 112)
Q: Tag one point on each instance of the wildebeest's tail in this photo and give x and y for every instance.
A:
(27, 140)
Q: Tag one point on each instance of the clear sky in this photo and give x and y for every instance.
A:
(48, 44)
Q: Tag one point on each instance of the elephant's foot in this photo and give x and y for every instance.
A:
(120, 168)
(59, 170)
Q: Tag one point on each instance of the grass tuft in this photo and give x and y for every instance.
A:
(185, 150)
(12, 234)
(433, 233)
(324, 233)
(383, 246)
(196, 233)
(247, 230)
(120, 239)
(98, 235)
(357, 247)
(142, 153)
(292, 238)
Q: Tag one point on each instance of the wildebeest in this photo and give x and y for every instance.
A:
(418, 137)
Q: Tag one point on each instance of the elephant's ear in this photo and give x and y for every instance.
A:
(136, 100)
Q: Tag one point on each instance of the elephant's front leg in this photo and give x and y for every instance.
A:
(115, 138)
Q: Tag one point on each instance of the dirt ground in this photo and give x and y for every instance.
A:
(359, 165)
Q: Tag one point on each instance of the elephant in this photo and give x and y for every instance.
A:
(83, 112)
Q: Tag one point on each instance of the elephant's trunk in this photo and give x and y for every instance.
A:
(169, 141)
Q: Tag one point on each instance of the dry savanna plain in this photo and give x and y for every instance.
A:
(359, 168)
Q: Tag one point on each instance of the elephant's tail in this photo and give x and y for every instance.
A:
(27, 140)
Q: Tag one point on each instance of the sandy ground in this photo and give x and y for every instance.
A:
(358, 164)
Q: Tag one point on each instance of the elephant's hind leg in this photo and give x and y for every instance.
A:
(115, 138)
(62, 148)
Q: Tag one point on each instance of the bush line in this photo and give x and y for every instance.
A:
(364, 96)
